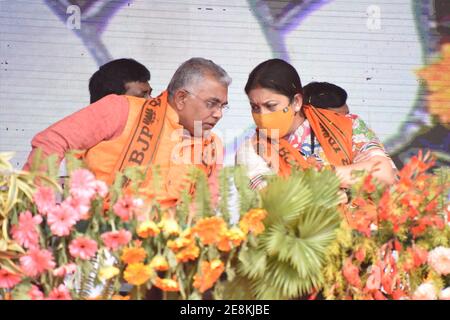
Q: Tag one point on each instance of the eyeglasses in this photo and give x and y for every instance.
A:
(211, 105)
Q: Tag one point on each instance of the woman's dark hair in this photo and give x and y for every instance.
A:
(276, 75)
(324, 95)
(112, 76)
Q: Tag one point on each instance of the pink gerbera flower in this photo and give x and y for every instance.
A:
(26, 232)
(8, 280)
(126, 206)
(80, 205)
(101, 188)
(82, 184)
(35, 294)
(64, 270)
(61, 219)
(60, 293)
(36, 261)
(115, 239)
(83, 248)
(45, 199)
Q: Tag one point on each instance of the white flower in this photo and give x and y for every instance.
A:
(426, 291)
(439, 260)
(445, 294)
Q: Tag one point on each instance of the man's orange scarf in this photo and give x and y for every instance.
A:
(141, 145)
(333, 131)
(147, 132)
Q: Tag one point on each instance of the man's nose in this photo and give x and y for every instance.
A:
(217, 113)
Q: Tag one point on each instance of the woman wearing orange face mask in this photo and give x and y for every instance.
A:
(291, 133)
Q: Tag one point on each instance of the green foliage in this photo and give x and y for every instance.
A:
(202, 194)
(247, 198)
(224, 192)
(286, 260)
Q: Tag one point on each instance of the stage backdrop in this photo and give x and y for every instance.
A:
(374, 49)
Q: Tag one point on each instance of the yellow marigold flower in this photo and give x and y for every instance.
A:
(170, 226)
(159, 263)
(191, 252)
(119, 297)
(209, 273)
(107, 273)
(166, 284)
(187, 233)
(209, 229)
(147, 229)
(138, 273)
(178, 243)
(252, 221)
(133, 255)
(234, 237)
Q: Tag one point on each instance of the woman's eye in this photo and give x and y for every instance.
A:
(255, 108)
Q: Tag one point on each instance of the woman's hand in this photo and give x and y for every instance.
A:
(380, 168)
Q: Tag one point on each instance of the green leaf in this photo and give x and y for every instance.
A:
(302, 221)
(20, 292)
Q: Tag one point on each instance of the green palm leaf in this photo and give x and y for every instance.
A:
(287, 260)
(285, 198)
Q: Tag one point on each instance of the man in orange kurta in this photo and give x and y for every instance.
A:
(171, 132)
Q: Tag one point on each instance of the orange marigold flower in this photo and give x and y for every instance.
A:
(234, 236)
(224, 244)
(166, 284)
(190, 252)
(209, 273)
(148, 229)
(138, 273)
(159, 263)
(252, 221)
(437, 75)
(133, 255)
(179, 243)
(209, 229)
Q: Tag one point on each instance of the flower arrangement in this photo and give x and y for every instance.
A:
(394, 243)
(291, 240)
(88, 242)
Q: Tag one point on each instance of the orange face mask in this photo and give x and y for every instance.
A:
(277, 123)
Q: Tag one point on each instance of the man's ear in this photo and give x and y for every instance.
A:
(179, 99)
(298, 102)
